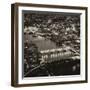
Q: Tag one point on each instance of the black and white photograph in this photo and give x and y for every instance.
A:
(51, 44)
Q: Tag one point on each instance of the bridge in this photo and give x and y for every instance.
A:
(58, 54)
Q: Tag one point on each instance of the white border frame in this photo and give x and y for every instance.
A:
(56, 78)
